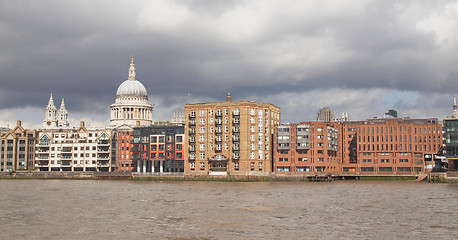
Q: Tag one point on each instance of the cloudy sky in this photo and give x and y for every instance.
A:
(357, 56)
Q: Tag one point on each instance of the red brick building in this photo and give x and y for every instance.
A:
(307, 147)
(391, 145)
(124, 150)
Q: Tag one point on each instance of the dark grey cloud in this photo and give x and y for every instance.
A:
(197, 50)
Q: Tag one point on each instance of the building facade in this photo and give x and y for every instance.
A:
(325, 114)
(158, 149)
(451, 138)
(79, 149)
(307, 147)
(123, 154)
(230, 137)
(392, 145)
(131, 102)
(17, 149)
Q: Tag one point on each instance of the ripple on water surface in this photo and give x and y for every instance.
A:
(58, 209)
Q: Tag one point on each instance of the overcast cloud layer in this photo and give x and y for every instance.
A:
(355, 56)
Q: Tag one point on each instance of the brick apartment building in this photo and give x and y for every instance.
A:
(230, 137)
(306, 147)
(124, 149)
(390, 145)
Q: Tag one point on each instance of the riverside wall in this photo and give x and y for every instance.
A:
(450, 177)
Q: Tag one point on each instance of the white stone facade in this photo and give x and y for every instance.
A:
(54, 118)
(131, 103)
(74, 150)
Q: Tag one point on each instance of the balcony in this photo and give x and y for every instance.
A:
(42, 163)
(103, 150)
(103, 142)
(282, 146)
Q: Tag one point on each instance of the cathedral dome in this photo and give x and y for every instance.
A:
(132, 88)
(131, 105)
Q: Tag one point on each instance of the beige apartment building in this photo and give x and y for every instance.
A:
(17, 149)
(234, 138)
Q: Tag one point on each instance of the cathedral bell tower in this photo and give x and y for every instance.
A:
(63, 115)
(50, 120)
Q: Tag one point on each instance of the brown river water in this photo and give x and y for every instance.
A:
(87, 209)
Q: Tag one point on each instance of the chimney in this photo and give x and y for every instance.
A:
(18, 123)
(229, 97)
(82, 124)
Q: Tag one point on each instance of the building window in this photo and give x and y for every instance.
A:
(302, 169)
(193, 113)
(202, 113)
(282, 169)
(202, 156)
(236, 111)
(302, 159)
(283, 159)
(252, 166)
(192, 165)
(260, 166)
(202, 165)
(236, 166)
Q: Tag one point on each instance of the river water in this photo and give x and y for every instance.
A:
(87, 209)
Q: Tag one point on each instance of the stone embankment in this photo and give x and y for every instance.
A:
(450, 177)
(443, 177)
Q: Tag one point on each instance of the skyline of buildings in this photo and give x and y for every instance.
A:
(218, 138)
